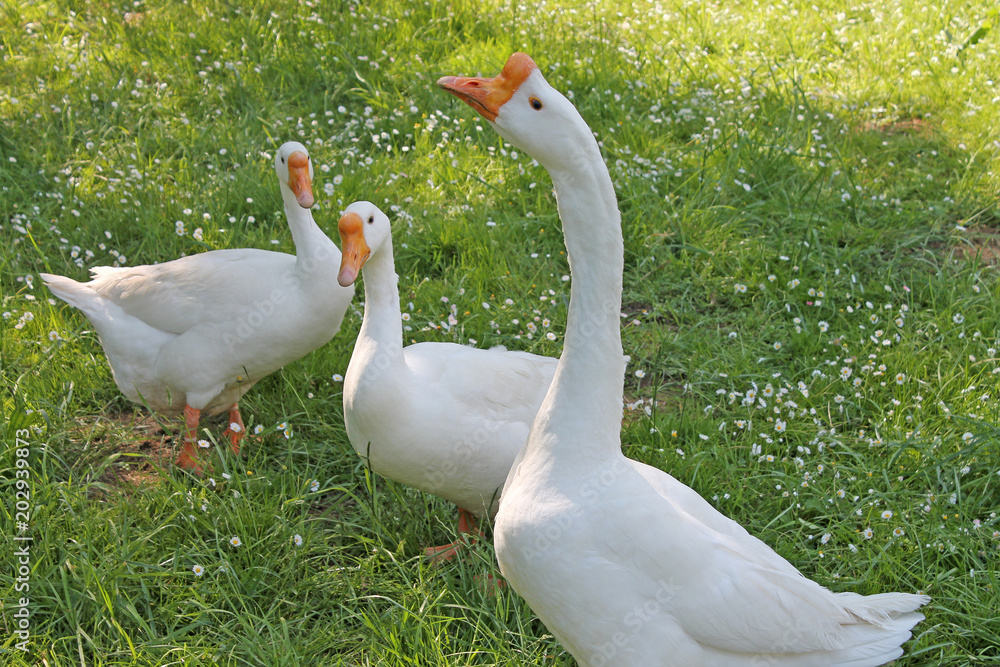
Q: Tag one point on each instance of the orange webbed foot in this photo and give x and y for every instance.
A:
(188, 459)
(470, 533)
(236, 430)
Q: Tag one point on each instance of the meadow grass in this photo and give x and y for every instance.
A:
(812, 236)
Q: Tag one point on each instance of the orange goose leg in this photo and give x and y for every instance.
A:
(466, 526)
(189, 453)
(235, 434)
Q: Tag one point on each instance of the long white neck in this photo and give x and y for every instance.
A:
(313, 248)
(581, 415)
(381, 325)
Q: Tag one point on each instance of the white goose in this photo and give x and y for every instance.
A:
(624, 564)
(441, 417)
(194, 334)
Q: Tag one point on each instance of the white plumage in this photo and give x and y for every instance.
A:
(625, 565)
(441, 417)
(194, 334)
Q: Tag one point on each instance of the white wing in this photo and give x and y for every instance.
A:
(735, 593)
(496, 384)
(178, 295)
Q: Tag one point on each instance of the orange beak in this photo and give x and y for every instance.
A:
(487, 95)
(354, 248)
(298, 179)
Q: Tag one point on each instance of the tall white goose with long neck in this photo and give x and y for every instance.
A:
(624, 564)
(441, 417)
(192, 335)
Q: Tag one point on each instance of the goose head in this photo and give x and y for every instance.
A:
(526, 111)
(363, 229)
(295, 172)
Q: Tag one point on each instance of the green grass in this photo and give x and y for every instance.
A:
(778, 165)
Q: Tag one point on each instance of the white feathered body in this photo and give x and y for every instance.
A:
(655, 576)
(440, 417)
(625, 565)
(202, 330)
(443, 418)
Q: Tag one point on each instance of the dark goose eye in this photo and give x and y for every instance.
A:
(536, 103)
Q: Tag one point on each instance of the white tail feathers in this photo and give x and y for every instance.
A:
(74, 293)
(881, 609)
(873, 645)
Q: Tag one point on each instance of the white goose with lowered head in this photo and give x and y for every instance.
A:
(441, 417)
(193, 334)
(625, 565)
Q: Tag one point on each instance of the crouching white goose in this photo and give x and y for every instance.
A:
(194, 334)
(625, 565)
(441, 417)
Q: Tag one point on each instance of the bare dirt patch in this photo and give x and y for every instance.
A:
(127, 450)
(898, 126)
(982, 242)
